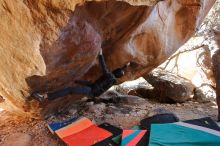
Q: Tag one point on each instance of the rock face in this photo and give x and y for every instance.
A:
(168, 87)
(45, 45)
(216, 70)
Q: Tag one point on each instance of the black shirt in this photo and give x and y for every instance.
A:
(102, 84)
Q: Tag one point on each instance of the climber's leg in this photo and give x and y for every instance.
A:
(82, 82)
(67, 91)
(63, 92)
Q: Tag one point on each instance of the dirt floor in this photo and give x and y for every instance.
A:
(26, 132)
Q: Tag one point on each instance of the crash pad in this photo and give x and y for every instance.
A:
(183, 134)
(132, 137)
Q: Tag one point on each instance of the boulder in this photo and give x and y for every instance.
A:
(131, 100)
(121, 98)
(168, 87)
(45, 45)
(204, 93)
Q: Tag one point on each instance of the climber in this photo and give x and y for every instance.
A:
(92, 90)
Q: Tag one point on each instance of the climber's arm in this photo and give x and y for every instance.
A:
(102, 63)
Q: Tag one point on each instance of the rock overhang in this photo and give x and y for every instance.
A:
(48, 44)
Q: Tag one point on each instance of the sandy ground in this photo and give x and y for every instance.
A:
(34, 132)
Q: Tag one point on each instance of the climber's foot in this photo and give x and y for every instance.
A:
(39, 97)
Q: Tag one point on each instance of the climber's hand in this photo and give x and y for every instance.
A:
(100, 52)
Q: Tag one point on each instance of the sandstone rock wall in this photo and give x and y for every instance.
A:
(46, 44)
